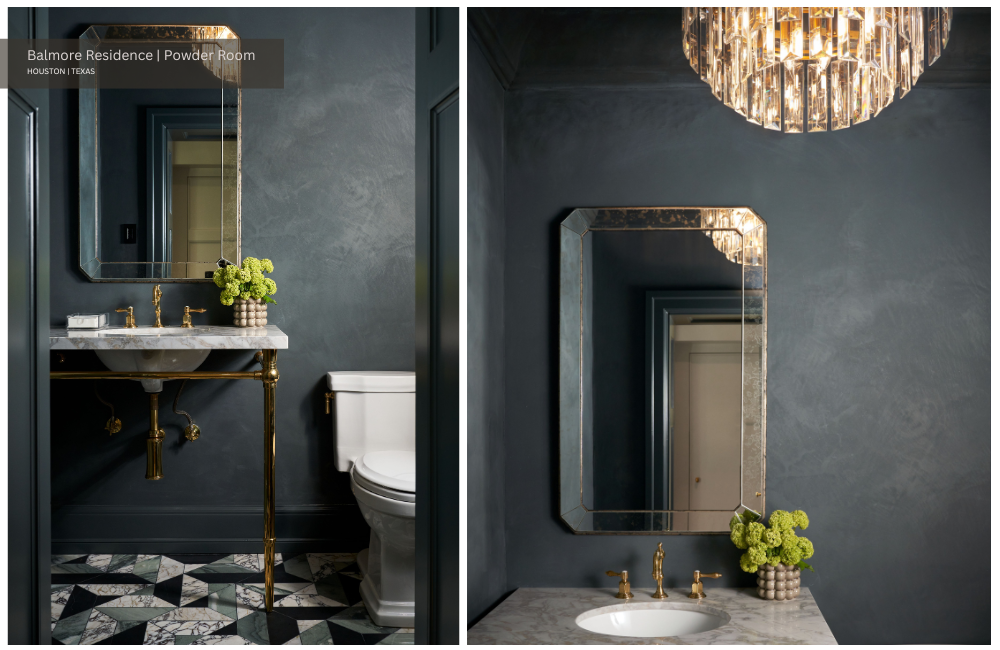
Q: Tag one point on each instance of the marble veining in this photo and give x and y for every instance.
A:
(207, 337)
(548, 616)
(211, 599)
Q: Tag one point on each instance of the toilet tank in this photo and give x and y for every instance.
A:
(374, 410)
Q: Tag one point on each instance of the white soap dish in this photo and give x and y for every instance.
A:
(86, 321)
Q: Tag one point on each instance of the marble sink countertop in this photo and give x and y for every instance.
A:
(171, 338)
(548, 616)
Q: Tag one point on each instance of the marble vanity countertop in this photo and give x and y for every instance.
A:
(171, 338)
(548, 616)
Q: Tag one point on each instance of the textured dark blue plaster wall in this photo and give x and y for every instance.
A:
(878, 337)
(328, 187)
(487, 571)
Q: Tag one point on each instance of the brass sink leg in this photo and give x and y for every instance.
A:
(269, 361)
(154, 443)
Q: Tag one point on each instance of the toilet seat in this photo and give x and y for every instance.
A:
(391, 474)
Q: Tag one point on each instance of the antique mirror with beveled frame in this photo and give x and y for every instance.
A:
(160, 177)
(662, 369)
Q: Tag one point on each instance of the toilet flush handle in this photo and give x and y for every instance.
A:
(329, 396)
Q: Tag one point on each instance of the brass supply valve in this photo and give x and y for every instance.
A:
(192, 432)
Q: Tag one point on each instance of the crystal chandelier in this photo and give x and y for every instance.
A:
(222, 46)
(737, 233)
(794, 69)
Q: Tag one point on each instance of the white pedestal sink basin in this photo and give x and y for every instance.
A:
(652, 619)
(148, 360)
(152, 361)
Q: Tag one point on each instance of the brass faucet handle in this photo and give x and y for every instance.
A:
(624, 588)
(129, 317)
(186, 321)
(697, 589)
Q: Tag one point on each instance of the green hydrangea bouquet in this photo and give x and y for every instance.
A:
(774, 545)
(246, 281)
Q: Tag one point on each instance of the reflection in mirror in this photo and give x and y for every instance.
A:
(186, 177)
(661, 382)
(159, 168)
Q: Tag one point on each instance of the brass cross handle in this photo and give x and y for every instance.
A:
(624, 588)
(129, 317)
(186, 321)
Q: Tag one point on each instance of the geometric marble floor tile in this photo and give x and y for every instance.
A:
(211, 599)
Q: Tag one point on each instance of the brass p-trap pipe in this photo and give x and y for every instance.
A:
(154, 444)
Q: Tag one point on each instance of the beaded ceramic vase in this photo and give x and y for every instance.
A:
(778, 582)
(251, 312)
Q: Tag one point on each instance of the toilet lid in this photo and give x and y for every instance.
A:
(372, 381)
(395, 470)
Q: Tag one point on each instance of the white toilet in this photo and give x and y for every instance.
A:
(374, 434)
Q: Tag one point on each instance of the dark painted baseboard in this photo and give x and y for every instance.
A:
(205, 529)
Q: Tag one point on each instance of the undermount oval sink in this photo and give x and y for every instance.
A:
(652, 619)
(169, 360)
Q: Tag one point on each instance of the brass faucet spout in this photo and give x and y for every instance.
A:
(157, 294)
(658, 572)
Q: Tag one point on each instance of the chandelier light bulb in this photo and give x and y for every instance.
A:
(795, 69)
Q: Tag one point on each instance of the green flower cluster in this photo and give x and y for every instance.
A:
(774, 545)
(245, 281)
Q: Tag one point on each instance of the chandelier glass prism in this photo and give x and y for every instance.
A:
(797, 69)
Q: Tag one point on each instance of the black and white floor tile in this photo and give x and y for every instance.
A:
(211, 599)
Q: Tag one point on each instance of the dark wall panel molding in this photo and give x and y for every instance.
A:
(486, 553)
(437, 326)
(28, 478)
